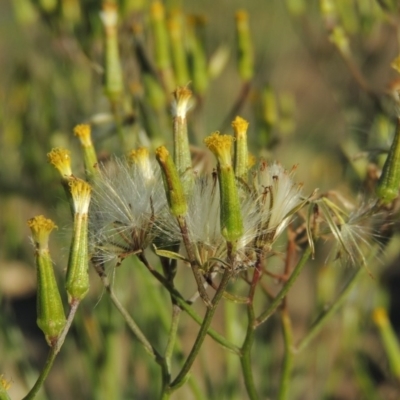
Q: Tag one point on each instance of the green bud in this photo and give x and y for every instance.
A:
(50, 311)
(230, 213)
(172, 184)
(179, 60)
(113, 82)
(240, 126)
(245, 46)
(389, 182)
(83, 132)
(182, 157)
(161, 44)
(77, 283)
(198, 59)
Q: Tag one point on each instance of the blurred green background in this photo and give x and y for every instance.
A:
(311, 101)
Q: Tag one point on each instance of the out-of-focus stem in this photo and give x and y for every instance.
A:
(53, 353)
(288, 357)
(324, 317)
(245, 358)
(128, 319)
(182, 376)
(189, 310)
(281, 295)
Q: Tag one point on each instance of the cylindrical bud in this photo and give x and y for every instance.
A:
(172, 184)
(77, 282)
(182, 157)
(83, 132)
(389, 181)
(245, 46)
(179, 58)
(113, 81)
(198, 59)
(230, 213)
(240, 126)
(161, 44)
(50, 311)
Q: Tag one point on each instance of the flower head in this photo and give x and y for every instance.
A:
(182, 102)
(83, 132)
(41, 228)
(61, 159)
(278, 198)
(125, 205)
(203, 222)
(221, 147)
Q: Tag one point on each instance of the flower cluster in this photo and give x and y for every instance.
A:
(129, 211)
(229, 219)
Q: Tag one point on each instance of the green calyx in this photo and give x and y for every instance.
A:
(389, 182)
(172, 183)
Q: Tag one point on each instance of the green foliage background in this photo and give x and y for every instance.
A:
(322, 110)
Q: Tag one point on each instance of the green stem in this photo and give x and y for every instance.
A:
(53, 353)
(176, 312)
(118, 123)
(245, 359)
(324, 317)
(166, 370)
(288, 358)
(181, 378)
(281, 295)
(128, 319)
(182, 303)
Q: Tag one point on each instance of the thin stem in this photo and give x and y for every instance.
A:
(118, 123)
(237, 105)
(182, 303)
(166, 373)
(281, 295)
(192, 259)
(245, 359)
(325, 316)
(128, 319)
(55, 349)
(176, 312)
(180, 379)
(288, 357)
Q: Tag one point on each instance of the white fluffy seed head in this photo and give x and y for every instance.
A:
(125, 206)
(278, 197)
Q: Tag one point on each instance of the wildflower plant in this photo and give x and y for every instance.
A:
(157, 210)
(222, 224)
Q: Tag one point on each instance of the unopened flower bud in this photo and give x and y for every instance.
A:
(61, 159)
(50, 311)
(389, 182)
(77, 283)
(245, 46)
(172, 184)
(230, 214)
(113, 85)
(83, 132)
(182, 158)
(240, 126)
